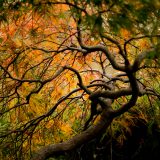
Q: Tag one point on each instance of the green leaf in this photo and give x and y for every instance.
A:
(1, 40)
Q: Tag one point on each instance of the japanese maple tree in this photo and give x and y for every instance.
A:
(66, 64)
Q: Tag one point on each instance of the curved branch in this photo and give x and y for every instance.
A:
(109, 55)
(117, 44)
(79, 78)
(133, 100)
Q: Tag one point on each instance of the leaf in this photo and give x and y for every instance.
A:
(1, 40)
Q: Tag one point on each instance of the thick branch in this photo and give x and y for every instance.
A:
(109, 55)
(111, 94)
(76, 141)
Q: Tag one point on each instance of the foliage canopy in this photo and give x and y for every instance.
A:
(69, 69)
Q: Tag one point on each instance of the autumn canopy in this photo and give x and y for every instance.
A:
(75, 70)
